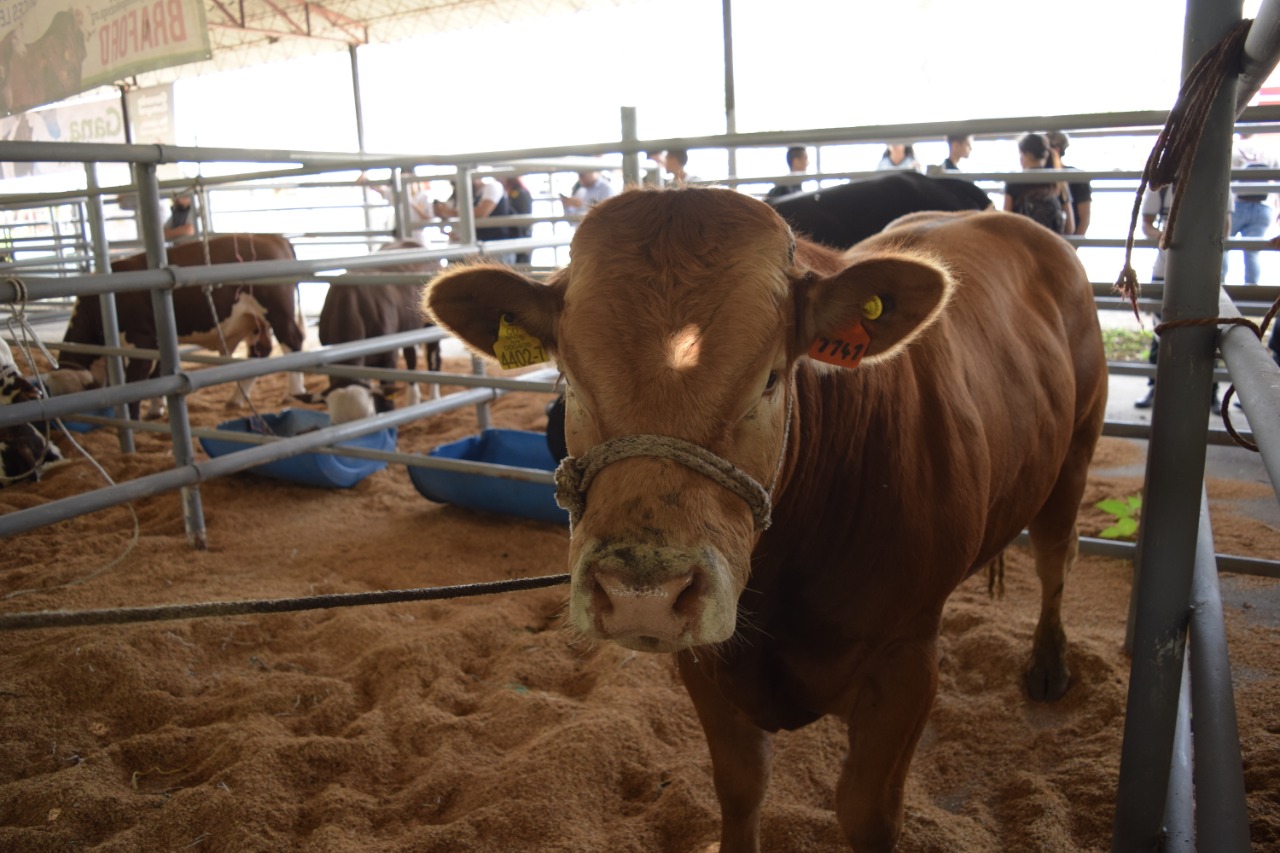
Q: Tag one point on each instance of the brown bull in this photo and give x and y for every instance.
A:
(191, 309)
(791, 528)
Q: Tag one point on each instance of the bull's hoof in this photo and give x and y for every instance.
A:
(1047, 681)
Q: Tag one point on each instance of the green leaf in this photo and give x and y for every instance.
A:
(1122, 529)
(1118, 508)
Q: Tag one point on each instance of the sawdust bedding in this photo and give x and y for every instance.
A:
(480, 724)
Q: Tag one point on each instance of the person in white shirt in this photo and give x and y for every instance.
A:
(489, 198)
(591, 189)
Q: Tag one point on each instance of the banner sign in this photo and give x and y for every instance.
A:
(90, 121)
(50, 50)
(151, 115)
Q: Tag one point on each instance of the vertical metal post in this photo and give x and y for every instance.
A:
(464, 200)
(730, 105)
(483, 416)
(402, 203)
(1180, 801)
(1175, 458)
(167, 342)
(631, 159)
(358, 100)
(107, 301)
(1220, 813)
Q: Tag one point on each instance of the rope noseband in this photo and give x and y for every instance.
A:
(574, 475)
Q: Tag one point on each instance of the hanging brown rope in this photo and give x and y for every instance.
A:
(1175, 149)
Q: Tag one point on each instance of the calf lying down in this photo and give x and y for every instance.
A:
(25, 451)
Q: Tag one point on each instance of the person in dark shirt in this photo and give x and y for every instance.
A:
(798, 164)
(1081, 191)
(520, 201)
(961, 146)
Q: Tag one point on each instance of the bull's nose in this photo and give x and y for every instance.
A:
(649, 613)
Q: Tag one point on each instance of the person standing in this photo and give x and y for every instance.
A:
(959, 146)
(1250, 213)
(798, 166)
(1081, 191)
(676, 160)
(899, 156)
(489, 198)
(520, 200)
(590, 189)
(1048, 204)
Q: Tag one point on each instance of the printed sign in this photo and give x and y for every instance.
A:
(87, 121)
(50, 50)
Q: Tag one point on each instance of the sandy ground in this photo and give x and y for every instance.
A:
(479, 724)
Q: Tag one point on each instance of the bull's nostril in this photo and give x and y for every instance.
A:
(687, 597)
(601, 603)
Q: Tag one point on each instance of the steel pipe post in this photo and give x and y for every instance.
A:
(464, 202)
(1257, 379)
(107, 301)
(1180, 801)
(167, 340)
(1220, 812)
(630, 160)
(1261, 52)
(1175, 458)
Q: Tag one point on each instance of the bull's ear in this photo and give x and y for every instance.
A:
(473, 301)
(878, 303)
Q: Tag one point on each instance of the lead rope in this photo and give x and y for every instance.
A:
(574, 474)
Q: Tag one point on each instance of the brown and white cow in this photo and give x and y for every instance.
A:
(191, 305)
(789, 528)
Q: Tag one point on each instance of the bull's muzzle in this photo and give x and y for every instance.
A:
(652, 598)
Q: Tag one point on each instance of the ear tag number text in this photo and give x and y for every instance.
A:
(844, 349)
(515, 347)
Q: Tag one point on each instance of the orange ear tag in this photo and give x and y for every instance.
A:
(843, 350)
(515, 347)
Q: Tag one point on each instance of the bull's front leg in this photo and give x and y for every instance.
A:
(296, 387)
(741, 755)
(239, 398)
(888, 717)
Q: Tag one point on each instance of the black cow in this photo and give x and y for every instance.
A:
(846, 214)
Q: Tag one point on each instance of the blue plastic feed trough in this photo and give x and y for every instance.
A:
(74, 425)
(309, 469)
(517, 448)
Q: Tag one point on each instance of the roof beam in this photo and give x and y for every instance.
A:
(279, 18)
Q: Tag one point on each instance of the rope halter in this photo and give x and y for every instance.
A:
(574, 475)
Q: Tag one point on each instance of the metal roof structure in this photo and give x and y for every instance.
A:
(246, 33)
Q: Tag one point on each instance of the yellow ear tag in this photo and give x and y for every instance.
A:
(872, 308)
(515, 347)
(844, 349)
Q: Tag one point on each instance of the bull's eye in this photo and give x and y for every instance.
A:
(772, 382)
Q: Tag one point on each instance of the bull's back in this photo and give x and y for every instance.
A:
(1014, 373)
(355, 312)
(968, 430)
(196, 311)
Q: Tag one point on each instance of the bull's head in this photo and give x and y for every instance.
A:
(678, 326)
